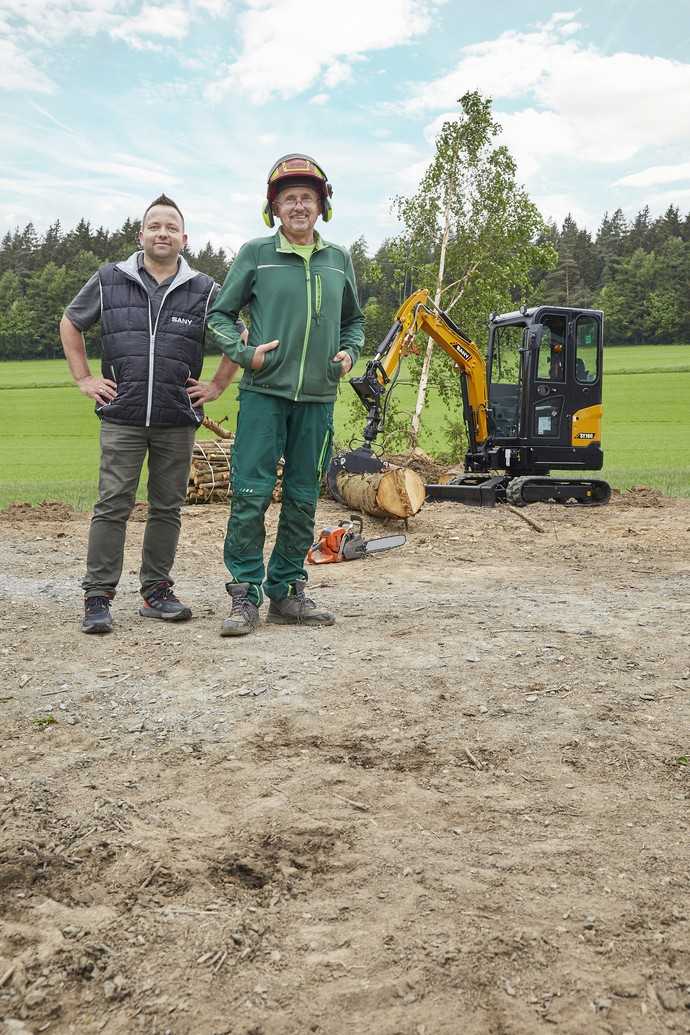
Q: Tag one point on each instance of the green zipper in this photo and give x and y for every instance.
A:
(317, 299)
(307, 331)
(324, 451)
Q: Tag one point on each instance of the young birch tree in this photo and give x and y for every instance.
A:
(472, 232)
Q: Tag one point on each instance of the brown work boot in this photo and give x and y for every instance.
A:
(298, 609)
(244, 616)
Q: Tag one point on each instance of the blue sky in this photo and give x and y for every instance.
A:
(105, 103)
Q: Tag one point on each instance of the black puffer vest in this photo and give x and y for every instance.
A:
(151, 360)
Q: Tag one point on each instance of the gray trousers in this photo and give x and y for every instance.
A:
(123, 450)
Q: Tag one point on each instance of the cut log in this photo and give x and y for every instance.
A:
(396, 492)
(211, 480)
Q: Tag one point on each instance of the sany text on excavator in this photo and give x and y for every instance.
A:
(532, 406)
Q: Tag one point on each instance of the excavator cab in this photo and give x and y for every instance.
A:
(544, 380)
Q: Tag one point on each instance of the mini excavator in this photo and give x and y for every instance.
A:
(532, 406)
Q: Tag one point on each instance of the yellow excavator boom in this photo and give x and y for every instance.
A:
(418, 313)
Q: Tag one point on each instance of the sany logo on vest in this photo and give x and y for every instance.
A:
(181, 319)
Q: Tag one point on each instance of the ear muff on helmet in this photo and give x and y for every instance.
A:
(292, 167)
(267, 214)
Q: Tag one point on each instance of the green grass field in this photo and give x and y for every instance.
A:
(49, 434)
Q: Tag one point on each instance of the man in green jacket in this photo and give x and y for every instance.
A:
(306, 333)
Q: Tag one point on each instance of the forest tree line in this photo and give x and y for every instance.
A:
(637, 271)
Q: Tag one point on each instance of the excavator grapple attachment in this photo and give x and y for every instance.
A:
(354, 461)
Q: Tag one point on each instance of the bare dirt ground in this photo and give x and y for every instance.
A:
(461, 811)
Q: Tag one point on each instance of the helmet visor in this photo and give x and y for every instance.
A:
(297, 169)
(297, 166)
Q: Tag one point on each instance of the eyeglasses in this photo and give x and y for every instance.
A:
(306, 202)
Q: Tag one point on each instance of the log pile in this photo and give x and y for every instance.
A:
(210, 475)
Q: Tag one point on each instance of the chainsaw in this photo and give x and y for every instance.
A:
(346, 543)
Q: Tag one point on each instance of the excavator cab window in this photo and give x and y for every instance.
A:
(587, 350)
(551, 364)
(508, 343)
(506, 348)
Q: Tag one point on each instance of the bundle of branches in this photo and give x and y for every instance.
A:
(209, 475)
(427, 468)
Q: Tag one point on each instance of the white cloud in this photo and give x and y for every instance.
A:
(16, 215)
(520, 130)
(537, 139)
(656, 174)
(38, 185)
(557, 206)
(659, 201)
(126, 172)
(49, 22)
(432, 130)
(216, 8)
(339, 72)
(138, 24)
(604, 108)
(328, 38)
(156, 93)
(320, 98)
(18, 71)
(385, 221)
(169, 23)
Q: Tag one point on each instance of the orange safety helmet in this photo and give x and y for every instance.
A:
(296, 169)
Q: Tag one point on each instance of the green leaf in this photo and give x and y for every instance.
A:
(42, 721)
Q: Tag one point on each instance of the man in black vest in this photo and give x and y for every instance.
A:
(152, 308)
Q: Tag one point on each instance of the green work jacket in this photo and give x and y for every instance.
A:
(309, 305)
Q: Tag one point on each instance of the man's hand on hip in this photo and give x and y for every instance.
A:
(201, 392)
(345, 360)
(100, 389)
(259, 357)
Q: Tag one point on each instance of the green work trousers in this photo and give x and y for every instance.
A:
(123, 449)
(268, 428)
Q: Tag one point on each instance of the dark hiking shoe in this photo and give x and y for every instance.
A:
(298, 609)
(97, 617)
(244, 616)
(161, 602)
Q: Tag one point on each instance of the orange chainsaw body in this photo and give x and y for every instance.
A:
(346, 543)
(328, 549)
